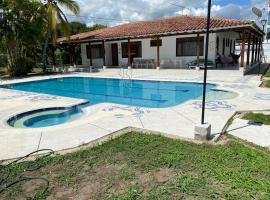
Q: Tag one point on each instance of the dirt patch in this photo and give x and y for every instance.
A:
(61, 193)
(119, 186)
(162, 175)
(30, 187)
(223, 140)
(90, 186)
(144, 178)
(88, 190)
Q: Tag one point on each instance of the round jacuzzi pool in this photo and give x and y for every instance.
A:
(216, 94)
(45, 117)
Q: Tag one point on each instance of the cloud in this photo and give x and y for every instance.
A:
(202, 11)
(112, 12)
(231, 11)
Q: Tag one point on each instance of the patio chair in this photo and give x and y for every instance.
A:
(166, 63)
(223, 60)
(50, 68)
(143, 63)
(151, 64)
(201, 63)
(136, 63)
(180, 63)
(123, 64)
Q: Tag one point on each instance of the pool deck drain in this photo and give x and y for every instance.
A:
(105, 118)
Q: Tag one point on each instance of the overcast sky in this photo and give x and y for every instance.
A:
(113, 12)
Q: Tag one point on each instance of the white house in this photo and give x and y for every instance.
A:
(168, 42)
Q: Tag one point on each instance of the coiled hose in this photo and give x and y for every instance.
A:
(32, 165)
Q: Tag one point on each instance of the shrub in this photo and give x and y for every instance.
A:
(3, 60)
(22, 67)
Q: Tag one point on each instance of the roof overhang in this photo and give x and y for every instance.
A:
(251, 26)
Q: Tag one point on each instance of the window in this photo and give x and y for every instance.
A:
(188, 46)
(96, 50)
(135, 47)
(154, 43)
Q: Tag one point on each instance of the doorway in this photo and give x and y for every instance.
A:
(115, 61)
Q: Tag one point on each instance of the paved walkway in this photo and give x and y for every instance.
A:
(103, 119)
(258, 134)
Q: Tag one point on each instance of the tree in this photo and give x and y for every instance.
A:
(56, 15)
(97, 27)
(78, 27)
(21, 29)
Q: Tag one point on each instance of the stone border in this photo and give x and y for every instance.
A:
(114, 135)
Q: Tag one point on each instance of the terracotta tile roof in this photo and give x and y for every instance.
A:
(179, 24)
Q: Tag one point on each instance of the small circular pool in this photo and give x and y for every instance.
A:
(216, 94)
(45, 117)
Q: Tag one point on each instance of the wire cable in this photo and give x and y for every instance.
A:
(31, 165)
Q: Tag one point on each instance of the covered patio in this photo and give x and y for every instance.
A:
(136, 45)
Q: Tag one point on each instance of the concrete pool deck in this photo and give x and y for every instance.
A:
(103, 119)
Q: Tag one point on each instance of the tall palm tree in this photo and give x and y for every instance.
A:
(56, 15)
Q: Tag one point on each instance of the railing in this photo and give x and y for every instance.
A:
(125, 73)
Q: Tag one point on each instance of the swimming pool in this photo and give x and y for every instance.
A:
(153, 94)
(45, 117)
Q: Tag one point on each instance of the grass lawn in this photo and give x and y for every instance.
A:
(258, 117)
(267, 73)
(35, 72)
(139, 166)
(267, 84)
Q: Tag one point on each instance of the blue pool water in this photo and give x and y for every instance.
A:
(153, 94)
(46, 117)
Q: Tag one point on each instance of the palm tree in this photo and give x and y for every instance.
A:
(56, 15)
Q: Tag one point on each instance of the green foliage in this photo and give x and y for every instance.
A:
(58, 57)
(97, 27)
(20, 36)
(258, 117)
(22, 67)
(267, 84)
(26, 25)
(3, 60)
(55, 16)
(267, 73)
(78, 27)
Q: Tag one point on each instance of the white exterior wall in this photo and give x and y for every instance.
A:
(167, 50)
(226, 35)
(86, 61)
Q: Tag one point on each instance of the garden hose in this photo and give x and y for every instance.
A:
(32, 165)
